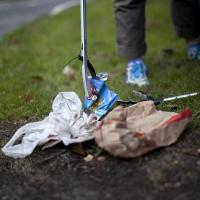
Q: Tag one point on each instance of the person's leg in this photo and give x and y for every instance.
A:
(186, 19)
(130, 26)
(130, 30)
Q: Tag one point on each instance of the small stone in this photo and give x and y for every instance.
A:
(177, 184)
(175, 162)
(101, 158)
(89, 158)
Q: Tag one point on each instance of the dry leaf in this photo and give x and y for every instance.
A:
(89, 158)
(69, 72)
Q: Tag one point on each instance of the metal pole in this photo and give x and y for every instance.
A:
(84, 45)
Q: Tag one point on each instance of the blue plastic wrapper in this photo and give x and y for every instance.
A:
(106, 98)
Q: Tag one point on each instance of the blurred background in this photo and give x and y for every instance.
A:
(14, 13)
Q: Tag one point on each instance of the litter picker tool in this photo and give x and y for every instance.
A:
(98, 97)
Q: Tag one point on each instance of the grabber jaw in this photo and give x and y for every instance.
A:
(101, 100)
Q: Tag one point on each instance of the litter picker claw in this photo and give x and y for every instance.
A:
(98, 97)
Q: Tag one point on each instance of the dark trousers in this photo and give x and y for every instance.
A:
(130, 24)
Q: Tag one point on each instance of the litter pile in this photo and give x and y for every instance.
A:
(124, 132)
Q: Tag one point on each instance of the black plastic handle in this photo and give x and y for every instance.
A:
(90, 67)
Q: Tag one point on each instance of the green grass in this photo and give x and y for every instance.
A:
(32, 59)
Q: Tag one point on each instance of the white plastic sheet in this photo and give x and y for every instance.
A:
(67, 123)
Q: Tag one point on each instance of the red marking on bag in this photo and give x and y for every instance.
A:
(139, 134)
(109, 121)
(100, 131)
(187, 113)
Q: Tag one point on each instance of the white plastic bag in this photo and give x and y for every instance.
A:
(67, 123)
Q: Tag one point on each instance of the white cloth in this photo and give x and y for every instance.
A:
(67, 123)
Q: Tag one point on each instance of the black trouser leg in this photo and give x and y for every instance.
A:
(186, 18)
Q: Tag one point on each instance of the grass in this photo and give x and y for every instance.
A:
(32, 59)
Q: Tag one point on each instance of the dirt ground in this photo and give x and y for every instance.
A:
(60, 173)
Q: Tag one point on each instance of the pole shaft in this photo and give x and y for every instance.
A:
(84, 44)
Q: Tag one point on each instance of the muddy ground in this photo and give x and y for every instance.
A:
(60, 173)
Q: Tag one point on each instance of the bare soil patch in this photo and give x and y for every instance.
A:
(59, 173)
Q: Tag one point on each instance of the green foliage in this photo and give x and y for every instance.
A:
(32, 60)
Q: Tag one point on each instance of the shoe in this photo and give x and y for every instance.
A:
(136, 73)
(193, 52)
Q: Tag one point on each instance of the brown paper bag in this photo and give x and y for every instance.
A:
(138, 129)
